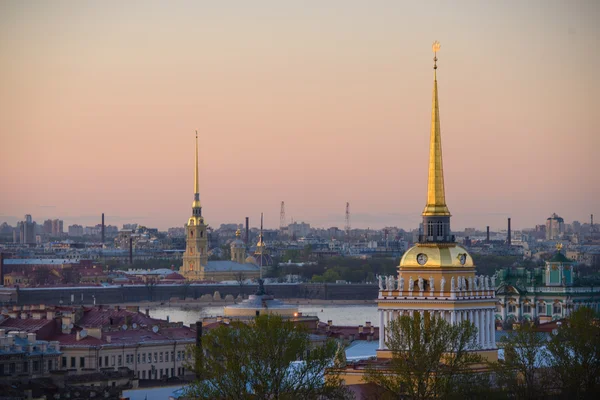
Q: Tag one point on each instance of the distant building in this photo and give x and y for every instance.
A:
(545, 294)
(555, 227)
(84, 340)
(75, 230)
(27, 230)
(299, 229)
(57, 227)
(47, 227)
(52, 227)
(22, 354)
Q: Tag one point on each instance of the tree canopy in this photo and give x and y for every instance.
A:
(268, 358)
(430, 359)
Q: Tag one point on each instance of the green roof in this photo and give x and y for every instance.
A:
(559, 257)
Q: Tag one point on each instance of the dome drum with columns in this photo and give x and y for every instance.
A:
(436, 277)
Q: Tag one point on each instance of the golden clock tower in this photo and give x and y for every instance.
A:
(195, 258)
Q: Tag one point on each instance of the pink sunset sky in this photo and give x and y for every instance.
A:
(312, 103)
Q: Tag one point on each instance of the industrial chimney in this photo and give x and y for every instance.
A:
(247, 229)
(199, 350)
(509, 237)
(130, 250)
(1, 269)
(487, 234)
(102, 228)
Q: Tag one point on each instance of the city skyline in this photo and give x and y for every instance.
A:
(100, 117)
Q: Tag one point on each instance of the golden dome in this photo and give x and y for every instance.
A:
(440, 255)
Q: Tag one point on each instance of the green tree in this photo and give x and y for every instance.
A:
(575, 355)
(430, 359)
(259, 360)
(523, 372)
(331, 275)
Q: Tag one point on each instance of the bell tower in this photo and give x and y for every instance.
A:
(195, 257)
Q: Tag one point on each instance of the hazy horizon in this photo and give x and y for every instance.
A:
(315, 104)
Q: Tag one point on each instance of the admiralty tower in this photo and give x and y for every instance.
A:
(436, 277)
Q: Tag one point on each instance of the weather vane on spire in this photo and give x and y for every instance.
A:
(435, 47)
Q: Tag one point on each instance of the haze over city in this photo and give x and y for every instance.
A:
(313, 104)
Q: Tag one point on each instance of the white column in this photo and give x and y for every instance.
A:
(381, 330)
(471, 316)
(453, 317)
(476, 323)
(443, 314)
(387, 324)
(482, 331)
(491, 330)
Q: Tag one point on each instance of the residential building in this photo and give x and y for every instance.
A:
(75, 230)
(27, 230)
(107, 339)
(23, 355)
(555, 227)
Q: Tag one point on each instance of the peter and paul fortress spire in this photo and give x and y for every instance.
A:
(436, 216)
(195, 257)
(196, 206)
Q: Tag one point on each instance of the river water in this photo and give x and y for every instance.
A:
(338, 314)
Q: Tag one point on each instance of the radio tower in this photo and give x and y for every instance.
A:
(282, 218)
(347, 227)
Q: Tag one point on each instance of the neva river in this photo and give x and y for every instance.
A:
(339, 314)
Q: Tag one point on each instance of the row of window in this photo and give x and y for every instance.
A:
(11, 368)
(117, 360)
(541, 308)
(160, 373)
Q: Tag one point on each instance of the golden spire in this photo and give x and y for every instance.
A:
(196, 203)
(436, 199)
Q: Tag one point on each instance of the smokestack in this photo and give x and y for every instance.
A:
(487, 234)
(1, 268)
(130, 250)
(247, 229)
(102, 228)
(592, 221)
(199, 352)
(509, 237)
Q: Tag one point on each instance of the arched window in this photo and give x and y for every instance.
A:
(191, 233)
(557, 309)
(201, 233)
(541, 308)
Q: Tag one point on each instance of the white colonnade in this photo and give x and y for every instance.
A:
(482, 318)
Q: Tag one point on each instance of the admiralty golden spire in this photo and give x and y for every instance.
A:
(436, 277)
(436, 198)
